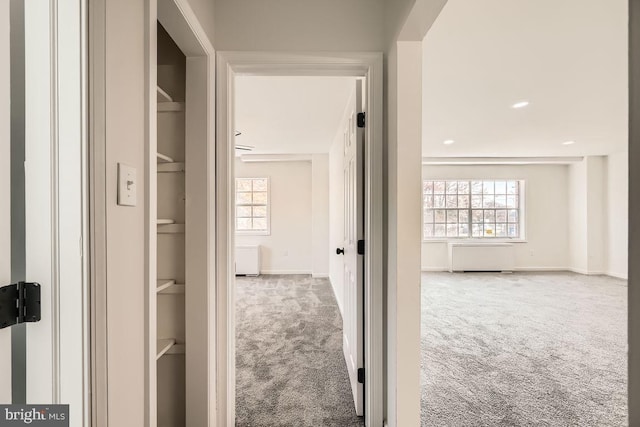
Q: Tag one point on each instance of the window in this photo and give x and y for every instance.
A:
(471, 209)
(252, 205)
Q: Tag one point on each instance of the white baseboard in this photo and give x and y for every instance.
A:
(435, 269)
(320, 275)
(285, 272)
(335, 295)
(534, 269)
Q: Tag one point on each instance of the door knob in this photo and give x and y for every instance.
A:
(340, 251)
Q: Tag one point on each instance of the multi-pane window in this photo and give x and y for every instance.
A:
(252, 205)
(471, 209)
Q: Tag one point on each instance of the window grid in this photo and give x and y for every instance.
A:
(252, 205)
(471, 209)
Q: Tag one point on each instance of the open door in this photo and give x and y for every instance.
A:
(353, 250)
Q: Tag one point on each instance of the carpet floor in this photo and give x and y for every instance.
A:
(523, 349)
(290, 370)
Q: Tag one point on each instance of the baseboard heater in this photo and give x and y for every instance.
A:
(248, 260)
(485, 257)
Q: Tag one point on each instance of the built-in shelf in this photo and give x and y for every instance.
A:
(170, 107)
(164, 159)
(163, 346)
(164, 221)
(163, 96)
(170, 228)
(163, 284)
(177, 349)
(169, 287)
(171, 167)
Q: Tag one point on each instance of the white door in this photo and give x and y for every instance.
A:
(353, 251)
(43, 356)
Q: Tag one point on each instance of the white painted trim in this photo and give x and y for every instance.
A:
(541, 269)
(369, 65)
(286, 272)
(618, 275)
(257, 158)
(320, 275)
(435, 269)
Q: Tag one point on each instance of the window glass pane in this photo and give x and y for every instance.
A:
(512, 187)
(489, 216)
(512, 201)
(476, 201)
(243, 198)
(440, 215)
(452, 230)
(452, 217)
(438, 201)
(487, 187)
(243, 223)
(260, 198)
(260, 211)
(260, 223)
(513, 230)
(476, 216)
(439, 230)
(463, 201)
(501, 216)
(463, 230)
(476, 187)
(428, 215)
(243, 184)
(259, 185)
(501, 201)
(427, 187)
(501, 230)
(489, 230)
(243, 211)
(463, 187)
(452, 201)
(428, 202)
(463, 216)
(501, 187)
(488, 201)
(477, 230)
(438, 187)
(513, 216)
(428, 230)
(452, 187)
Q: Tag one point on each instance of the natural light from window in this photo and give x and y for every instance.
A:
(252, 205)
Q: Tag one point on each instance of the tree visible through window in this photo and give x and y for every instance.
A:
(252, 204)
(471, 209)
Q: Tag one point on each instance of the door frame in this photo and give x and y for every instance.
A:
(346, 64)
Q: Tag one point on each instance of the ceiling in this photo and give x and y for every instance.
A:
(568, 58)
(290, 115)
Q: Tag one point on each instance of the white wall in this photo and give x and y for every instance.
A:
(320, 215)
(546, 213)
(578, 217)
(617, 227)
(288, 249)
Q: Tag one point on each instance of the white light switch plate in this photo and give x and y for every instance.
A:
(127, 182)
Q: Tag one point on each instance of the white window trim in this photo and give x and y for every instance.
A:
(522, 212)
(266, 232)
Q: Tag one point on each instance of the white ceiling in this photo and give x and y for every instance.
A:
(567, 57)
(292, 115)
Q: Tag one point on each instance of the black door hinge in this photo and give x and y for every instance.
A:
(19, 303)
(360, 247)
(361, 375)
(362, 120)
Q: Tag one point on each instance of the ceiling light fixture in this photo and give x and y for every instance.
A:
(520, 104)
(448, 142)
(568, 143)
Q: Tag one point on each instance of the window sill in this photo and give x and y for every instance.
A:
(253, 233)
(487, 241)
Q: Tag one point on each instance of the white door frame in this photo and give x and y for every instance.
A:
(370, 66)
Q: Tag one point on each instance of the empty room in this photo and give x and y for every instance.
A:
(293, 350)
(524, 253)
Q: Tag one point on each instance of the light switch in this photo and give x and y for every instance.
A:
(127, 182)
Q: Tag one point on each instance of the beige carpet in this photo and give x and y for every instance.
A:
(290, 370)
(523, 350)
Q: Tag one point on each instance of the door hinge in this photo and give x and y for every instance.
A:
(362, 120)
(361, 375)
(19, 303)
(360, 247)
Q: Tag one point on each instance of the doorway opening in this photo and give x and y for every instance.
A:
(281, 322)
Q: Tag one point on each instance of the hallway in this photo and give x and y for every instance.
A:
(289, 362)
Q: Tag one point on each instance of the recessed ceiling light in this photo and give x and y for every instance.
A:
(568, 143)
(448, 142)
(520, 104)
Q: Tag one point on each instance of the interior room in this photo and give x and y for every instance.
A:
(525, 188)
(289, 295)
